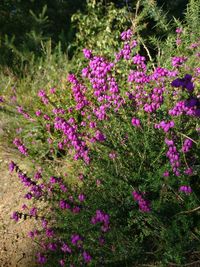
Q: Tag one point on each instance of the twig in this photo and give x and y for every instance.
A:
(188, 137)
(195, 236)
(182, 265)
(134, 23)
(23, 255)
(137, 8)
(176, 194)
(184, 157)
(147, 50)
(188, 211)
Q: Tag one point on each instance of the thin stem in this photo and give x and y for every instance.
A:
(187, 137)
(189, 211)
(187, 264)
(176, 193)
(147, 50)
(184, 157)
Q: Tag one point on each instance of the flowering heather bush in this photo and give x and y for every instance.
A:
(133, 128)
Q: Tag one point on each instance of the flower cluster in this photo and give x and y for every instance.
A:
(72, 138)
(35, 190)
(166, 126)
(105, 87)
(43, 96)
(126, 35)
(25, 114)
(187, 145)
(178, 61)
(185, 83)
(186, 189)
(78, 91)
(101, 217)
(135, 122)
(144, 205)
(181, 108)
(21, 147)
(155, 99)
(126, 51)
(173, 156)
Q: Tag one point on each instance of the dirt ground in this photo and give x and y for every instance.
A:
(16, 248)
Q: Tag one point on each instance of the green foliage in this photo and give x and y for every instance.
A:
(25, 24)
(169, 234)
(99, 26)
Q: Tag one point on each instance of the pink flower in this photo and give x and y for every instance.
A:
(185, 189)
(135, 122)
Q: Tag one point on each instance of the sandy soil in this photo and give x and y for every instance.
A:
(16, 248)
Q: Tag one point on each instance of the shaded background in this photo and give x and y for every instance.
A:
(25, 23)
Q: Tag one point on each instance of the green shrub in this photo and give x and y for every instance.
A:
(128, 132)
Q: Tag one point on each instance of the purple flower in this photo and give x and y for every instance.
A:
(46, 117)
(197, 112)
(75, 238)
(81, 197)
(187, 145)
(184, 82)
(179, 30)
(166, 126)
(28, 196)
(41, 93)
(76, 209)
(177, 82)
(86, 256)
(63, 204)
(38, 175)
(144, 205)
(15, 216)
(135, 122)
(31, 234)
(103, 218)
(178, 61)
(52, 91)
(100, 136)
(87, 53)
(44, 223)
(12, 166)
(192, 102)
(33, 212)
(49, 232)
(41, 258)
(53, 180)
(38, 113)
(169, 142)
(189, 86)
(65, 248)
(63, 188)
(166, 174)
(24, 206)
(185, 189)
(126, 35)
(189, 171)
(112, 155)
(20, 146)
(62, 262)
(52, 246)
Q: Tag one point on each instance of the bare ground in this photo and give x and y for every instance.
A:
(16, 248)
